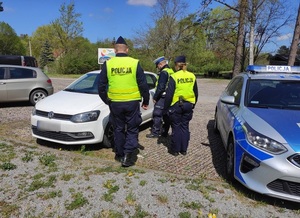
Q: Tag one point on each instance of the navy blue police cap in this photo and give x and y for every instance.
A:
(180, 59)
(121, 40)
(158, 60)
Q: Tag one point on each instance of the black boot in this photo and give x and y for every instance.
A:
(128, 160)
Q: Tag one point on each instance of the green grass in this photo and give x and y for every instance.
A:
(78, 201)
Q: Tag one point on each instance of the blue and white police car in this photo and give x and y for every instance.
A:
(258, 118)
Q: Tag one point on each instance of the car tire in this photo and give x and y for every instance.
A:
(230, 159)
(37, 95)
(108, 138)
(216, 130)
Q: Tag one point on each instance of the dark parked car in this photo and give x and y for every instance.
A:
(18, 60)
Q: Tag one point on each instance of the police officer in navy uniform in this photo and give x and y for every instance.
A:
(159, 114)
(180, 100)
(122, 85)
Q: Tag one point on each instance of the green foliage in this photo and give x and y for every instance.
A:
(8, 166)
(48, 159)
(46, 54)
(10, 43)
(78, 201)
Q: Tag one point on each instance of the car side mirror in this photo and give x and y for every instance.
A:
(228, 100)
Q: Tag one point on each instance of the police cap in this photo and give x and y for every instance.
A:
(180, 59)
(158, 60)
(121, 40)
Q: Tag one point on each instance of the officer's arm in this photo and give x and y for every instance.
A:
(161, 85)
(143, 86)
(169, 93)
(103, 84)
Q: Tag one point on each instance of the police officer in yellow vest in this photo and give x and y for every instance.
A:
(180, 100)
(122, 85)
(159, 114)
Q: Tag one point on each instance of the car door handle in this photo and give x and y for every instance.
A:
(2, 83)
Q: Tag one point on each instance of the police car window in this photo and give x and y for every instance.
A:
(233, 85)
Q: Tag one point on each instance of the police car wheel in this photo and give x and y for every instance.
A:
(230, 160)
(216, 130)
(108, 138)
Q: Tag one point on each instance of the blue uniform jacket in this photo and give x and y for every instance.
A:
(161, 84)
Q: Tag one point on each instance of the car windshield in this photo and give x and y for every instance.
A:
(273, 94)
(88, 83)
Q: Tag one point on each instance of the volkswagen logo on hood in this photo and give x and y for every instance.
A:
(50, 114)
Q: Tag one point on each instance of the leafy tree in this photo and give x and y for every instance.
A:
(10, 43)
(283, 50)
(40, 36)
(68, 27)
(46, 54)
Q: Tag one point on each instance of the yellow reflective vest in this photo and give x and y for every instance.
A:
(184, 86)
(122, 84)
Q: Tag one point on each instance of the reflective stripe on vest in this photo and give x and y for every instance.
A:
(122, 84)
(184, 86)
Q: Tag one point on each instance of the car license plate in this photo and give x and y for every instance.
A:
(47, 126)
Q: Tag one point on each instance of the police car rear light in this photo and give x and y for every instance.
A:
(272, 69)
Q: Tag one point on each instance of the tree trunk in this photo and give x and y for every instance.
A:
(294, 46)
(240, 41)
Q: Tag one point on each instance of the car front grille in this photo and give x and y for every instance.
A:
(53, 115)
(61, 136)
(286, 187)
(295, 159)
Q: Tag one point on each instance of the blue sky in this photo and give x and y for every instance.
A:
(101, 18)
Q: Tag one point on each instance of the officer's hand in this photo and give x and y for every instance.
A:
(145, 107)
(154, 101)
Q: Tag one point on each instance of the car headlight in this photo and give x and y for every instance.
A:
(85, 117)
(263, 142)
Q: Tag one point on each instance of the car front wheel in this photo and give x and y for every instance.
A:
(230, 160)
(108, 138)
(37, 95)
(216, 130)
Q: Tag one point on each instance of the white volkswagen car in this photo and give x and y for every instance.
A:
(77, 115)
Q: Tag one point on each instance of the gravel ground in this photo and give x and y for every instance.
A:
(58, 181)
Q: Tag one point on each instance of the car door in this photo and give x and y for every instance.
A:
(151, 81)
(3, 95)
(19, 84)
(229, 111)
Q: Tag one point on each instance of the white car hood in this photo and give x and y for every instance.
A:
(71, 103)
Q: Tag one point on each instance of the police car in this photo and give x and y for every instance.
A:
(258, 118)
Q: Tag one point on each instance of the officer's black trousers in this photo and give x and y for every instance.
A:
(126, 118)
(180, 117)
(160, 115)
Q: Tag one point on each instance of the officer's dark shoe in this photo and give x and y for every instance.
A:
(164, 134)
(119, 158)
(183, 152)
(174, 153)
(151, 135)
(128, 160)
